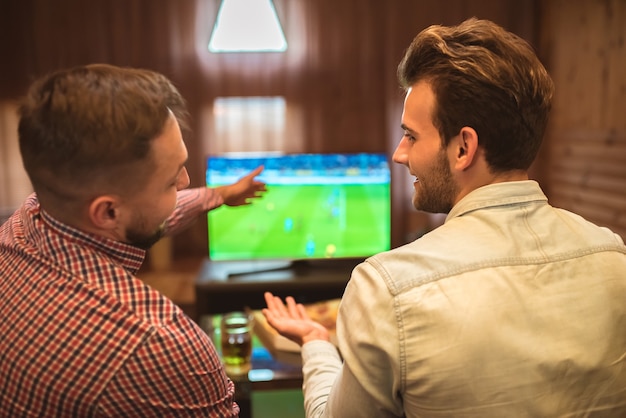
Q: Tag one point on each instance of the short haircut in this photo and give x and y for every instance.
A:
(84, 128)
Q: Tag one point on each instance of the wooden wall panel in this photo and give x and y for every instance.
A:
(589, 176)
(585, 171)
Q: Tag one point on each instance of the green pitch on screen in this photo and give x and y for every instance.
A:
(311, 221)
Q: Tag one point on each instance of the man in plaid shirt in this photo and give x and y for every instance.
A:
(80, 334)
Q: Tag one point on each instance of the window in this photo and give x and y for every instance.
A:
(253, 124)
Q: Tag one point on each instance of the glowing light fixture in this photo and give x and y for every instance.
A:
(247, 26)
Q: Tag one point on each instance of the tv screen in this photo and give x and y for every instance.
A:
(317, 206)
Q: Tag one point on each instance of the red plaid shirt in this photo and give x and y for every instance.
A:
(81, 336)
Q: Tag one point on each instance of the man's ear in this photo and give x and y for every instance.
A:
(465, 148)
(104, 212)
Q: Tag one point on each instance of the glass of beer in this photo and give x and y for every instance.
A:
(236, 331)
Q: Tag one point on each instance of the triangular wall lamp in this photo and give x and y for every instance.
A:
(247, 26)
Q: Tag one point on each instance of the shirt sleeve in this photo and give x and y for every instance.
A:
(190, 204)
(175, 372)
(368, 382)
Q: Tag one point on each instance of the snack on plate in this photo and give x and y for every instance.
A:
(324, 312)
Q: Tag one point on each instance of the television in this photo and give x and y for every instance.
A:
(317, 206)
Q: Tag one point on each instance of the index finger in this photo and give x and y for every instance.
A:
(255, 172)
(273, 303)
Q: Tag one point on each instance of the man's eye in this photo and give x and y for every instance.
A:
(409, 136)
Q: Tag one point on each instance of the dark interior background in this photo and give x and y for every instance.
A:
(340, 71)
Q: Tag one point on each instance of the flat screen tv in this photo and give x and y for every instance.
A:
(317, 206)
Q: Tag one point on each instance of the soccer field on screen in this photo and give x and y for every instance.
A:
(304, 221)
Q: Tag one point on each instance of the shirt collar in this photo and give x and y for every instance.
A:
(498, 194)
(129, 257)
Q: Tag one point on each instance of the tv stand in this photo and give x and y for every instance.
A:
(228, 286)
(227, 270)
(242, 268)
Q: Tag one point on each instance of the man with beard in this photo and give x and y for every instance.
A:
(511, 308)
(80, 335)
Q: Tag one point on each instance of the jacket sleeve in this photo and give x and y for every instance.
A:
(368, 382)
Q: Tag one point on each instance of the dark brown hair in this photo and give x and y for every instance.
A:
(486, 78)
(84, 129)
